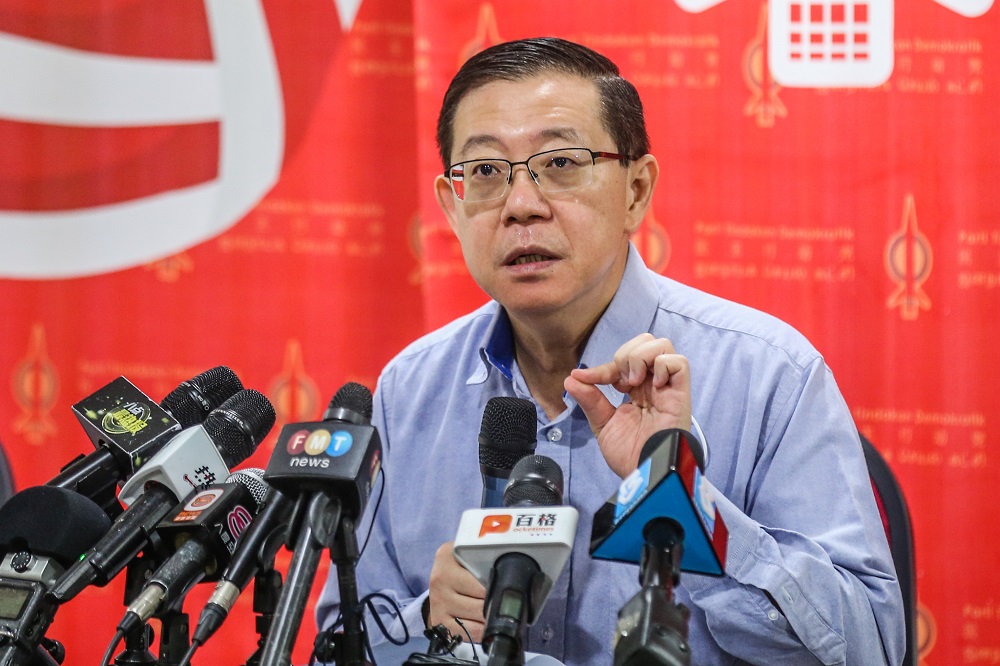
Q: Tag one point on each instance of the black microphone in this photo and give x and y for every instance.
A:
(663, 517)
(194, 399)
(330, 467)
(200, 535)
(255, 551)
(43, 530)
(507, 434)
(518, 552)
(534, 481)
(127, 428)
(194, 459)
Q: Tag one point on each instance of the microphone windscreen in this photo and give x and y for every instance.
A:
(240, 424)
(507, 433)
(52, 522)
(351, 403)
(534, 481)
(354, 396)
(195, 398)
(251, 478)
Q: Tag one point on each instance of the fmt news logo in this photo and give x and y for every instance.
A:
(314, 448)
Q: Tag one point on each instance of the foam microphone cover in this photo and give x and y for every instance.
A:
(51, 522)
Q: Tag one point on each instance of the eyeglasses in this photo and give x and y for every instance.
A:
(553, 171)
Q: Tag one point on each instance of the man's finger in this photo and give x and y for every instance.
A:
(595, 406)
(672, 369)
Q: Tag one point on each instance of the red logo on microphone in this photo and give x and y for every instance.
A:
(297, 442)
(238, 520)
(495, 525)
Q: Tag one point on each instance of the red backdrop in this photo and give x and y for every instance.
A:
(192, 188)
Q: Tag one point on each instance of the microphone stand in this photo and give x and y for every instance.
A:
(348, 647)
(266, 592)
(174, 636)
(316, 533)
(652, 628)
(136, 652)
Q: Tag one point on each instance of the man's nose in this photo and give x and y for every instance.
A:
(524, 199)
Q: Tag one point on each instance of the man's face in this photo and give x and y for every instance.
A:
(534, 252)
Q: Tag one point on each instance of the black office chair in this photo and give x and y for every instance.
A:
(899, 531)
(6, 477)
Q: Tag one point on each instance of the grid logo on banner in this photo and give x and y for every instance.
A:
(830, 43)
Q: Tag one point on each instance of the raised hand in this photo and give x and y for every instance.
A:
(658, 383)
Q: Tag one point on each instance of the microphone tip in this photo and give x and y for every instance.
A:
(535, 481)
(508, 431)
(354, 397)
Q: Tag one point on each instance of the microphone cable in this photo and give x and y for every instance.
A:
(118, 637)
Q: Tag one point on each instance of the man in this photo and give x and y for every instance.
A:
(547, 175)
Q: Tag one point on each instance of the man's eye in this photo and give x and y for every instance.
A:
(561, 162)
(486, 170)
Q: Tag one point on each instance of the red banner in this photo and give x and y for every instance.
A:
(249, 184)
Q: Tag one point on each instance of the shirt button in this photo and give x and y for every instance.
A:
(772, 614)
(555, 435)
(547, 633)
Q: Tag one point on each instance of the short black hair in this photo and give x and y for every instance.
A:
(621, 108)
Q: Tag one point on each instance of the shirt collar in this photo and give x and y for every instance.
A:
(630, 313)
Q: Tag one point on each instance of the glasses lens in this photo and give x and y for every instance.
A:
(559, 170)
(480, 180)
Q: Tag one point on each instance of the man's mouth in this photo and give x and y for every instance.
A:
(529, 259)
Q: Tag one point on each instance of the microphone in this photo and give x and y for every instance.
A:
(330, 467)
(255, 550)
(668, 483)
(201, 535)
(339, 456)
(194, 399)
(127, 428)
(507, 434)
(662, 517)
(43, 530)
(194, 459)
(518, 552)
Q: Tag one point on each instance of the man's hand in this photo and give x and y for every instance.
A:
(658, 383)
(455, 593)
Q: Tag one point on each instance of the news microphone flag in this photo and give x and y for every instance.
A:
(544, 533)
(128, 423)
(668, 483)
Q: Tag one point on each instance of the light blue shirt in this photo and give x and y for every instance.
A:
(783, 453)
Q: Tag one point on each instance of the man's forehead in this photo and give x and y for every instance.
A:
(547, 107)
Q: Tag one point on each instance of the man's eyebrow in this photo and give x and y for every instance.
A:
(478, 141)
(568, 134)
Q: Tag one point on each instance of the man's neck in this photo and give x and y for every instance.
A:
(546, 352)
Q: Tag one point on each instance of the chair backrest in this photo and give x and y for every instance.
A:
(899, 531)
(6, 477)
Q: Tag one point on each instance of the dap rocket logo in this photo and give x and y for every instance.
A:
(315, 443)
(841, 43)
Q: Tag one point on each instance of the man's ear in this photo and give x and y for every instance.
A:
(446, 200)
(642, 175)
